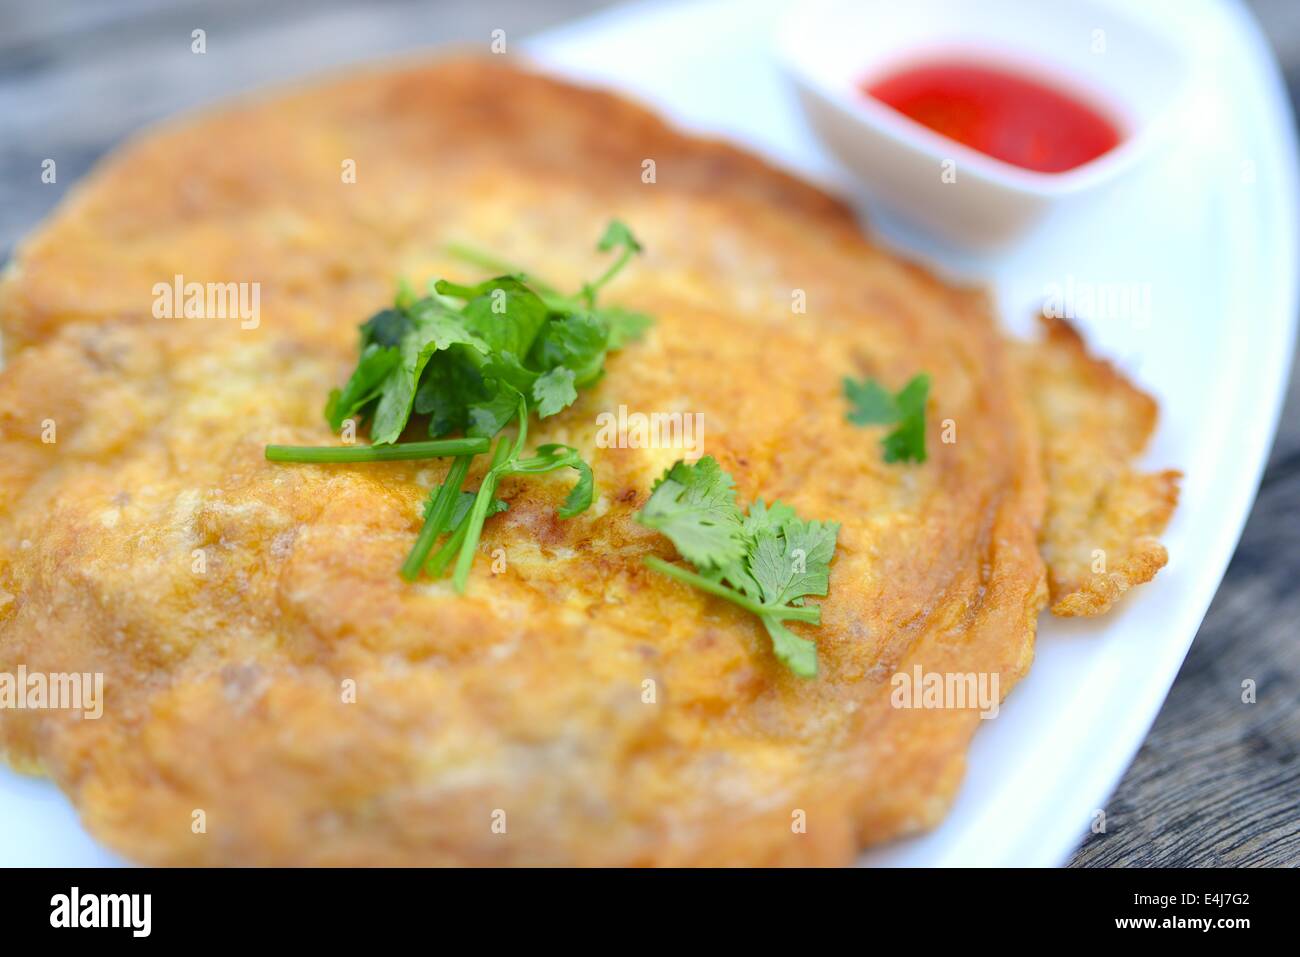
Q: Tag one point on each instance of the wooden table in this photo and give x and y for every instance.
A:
(1216, 782)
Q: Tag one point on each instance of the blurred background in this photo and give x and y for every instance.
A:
(77, 76)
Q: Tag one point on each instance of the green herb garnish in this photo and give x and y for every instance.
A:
(507, 460)
(472, 359)
(766, 562)
(375, 453)
(621, 325)
(875, 405)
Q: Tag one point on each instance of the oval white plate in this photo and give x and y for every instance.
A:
(1209, 226)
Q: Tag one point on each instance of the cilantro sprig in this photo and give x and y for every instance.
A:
(473, 359)
(766, 562)
(873, 404)
(621, 325)
(507, 459)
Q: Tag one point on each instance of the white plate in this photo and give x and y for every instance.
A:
(1210, 225)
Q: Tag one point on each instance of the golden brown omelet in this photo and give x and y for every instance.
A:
(576, 708)
(1098, 536)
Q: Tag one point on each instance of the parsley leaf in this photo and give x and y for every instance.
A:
(872, 404)
(766, 562)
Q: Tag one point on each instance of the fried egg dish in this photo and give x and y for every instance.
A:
(275, 694)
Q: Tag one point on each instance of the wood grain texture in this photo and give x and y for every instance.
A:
(1217, 780)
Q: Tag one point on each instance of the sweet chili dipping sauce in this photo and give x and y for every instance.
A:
(1001, 112)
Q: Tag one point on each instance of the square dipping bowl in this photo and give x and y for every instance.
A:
(1096, 52)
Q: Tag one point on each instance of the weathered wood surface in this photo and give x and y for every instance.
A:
(1217, 780)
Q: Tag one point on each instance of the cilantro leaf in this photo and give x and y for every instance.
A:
(385, 328)
(554, 456)
(907, 441)
(793, 560)
(405, 296)
(766, 562)
(762, 517)
(797, 654)
(433, 328)
(617, 234)
(451, 384)
(574, 340)
(695, 506)
(554, 391)
(503, 312)
(872, 404)
(364, 385)
(622, 325)
(489, 417)
(579, 498)
(506, 368)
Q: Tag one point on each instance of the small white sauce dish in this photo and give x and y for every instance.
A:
(1095, 50)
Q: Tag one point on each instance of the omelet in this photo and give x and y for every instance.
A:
(275, 694)
(1099, 536)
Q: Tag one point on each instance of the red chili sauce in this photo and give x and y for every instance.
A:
(1002, 113)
